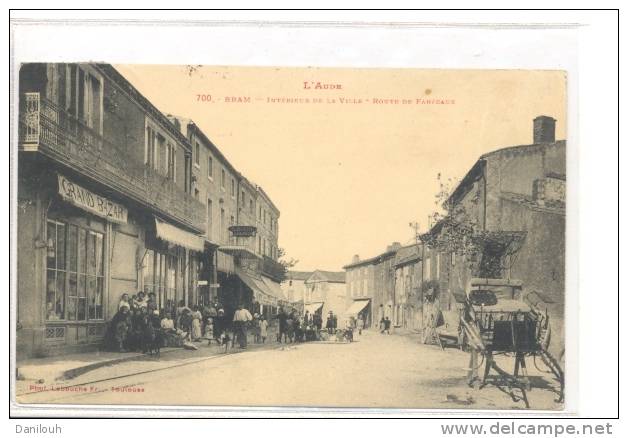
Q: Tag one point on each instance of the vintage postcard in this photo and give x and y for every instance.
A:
(198, 235)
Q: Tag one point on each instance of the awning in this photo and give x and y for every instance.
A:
(313, 307)
(260, 292)
(238, 250)
(177, 236)
(357, 307)
(274, 288)
(224, 262)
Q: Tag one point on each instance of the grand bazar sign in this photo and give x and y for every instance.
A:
(91, 202)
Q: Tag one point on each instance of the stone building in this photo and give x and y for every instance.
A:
(325, 292)
(370, 284)
(516, 198)
(245, 271)
(294, 285)
(115, 197)
(408, 280)
(104, 205)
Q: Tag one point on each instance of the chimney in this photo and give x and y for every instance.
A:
(544, 130)
(393, 246)
(356, 258)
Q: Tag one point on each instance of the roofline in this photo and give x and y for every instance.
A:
(267, 198)
(470, 176)
(371, 261)
(195, 129)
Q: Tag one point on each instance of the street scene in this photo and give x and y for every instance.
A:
(290, 237)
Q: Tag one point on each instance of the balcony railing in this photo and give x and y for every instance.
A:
(273, 269)
(63, 137)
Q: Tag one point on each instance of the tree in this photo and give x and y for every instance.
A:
(457, 230)
(286, 263)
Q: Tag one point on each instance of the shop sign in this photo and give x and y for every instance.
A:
(91, 202)
(242, 230)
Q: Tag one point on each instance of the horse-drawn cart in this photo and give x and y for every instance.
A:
(496, 321)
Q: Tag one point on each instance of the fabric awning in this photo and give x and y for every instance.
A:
(274, 288)
(312, 307)
(224, 262)
(177, 236)
(260, 292)
(240, 251)
(357, 307)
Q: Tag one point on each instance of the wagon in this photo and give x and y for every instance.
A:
(496, 321)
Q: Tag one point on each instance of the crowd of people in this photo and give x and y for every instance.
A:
(139, 321)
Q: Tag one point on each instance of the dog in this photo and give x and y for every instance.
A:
(226, 340)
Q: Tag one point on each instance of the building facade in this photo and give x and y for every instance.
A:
(371, 285)
(325, 291)
(408, 267)
(113, 198)
(104, 206)
(294, 285)
(516, 198)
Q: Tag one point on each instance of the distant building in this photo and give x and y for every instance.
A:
(408, 279)
(294, 285)
(370, 285)
(325, 292)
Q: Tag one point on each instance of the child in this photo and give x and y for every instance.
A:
(263, 328)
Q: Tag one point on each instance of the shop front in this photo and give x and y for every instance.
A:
(64, 258)
(360, 309)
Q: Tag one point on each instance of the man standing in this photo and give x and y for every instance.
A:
(360, 325)
(241, 317)
(283, 323)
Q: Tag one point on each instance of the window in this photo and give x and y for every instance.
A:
(197, 154)
(222, 179)
(163, 276)
(74, 274)
(233, 191)
(453, 259)
(209, 218)
(210, 167)
(259, 244)
(243, 200)
(251, 207)
(428, 268)
(83, 96)
(171, 160)
(151, 151)
(222, 225)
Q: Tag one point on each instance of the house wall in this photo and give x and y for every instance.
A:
(294, 290)
(210, 187)
(267, 226)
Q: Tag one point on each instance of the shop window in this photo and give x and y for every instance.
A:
(75, 274)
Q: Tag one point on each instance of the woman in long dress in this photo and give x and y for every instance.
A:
(196, 324)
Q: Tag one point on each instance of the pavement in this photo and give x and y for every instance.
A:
(376, 371)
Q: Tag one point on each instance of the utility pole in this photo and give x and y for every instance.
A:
(417, 238)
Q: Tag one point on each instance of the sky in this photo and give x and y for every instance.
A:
(352, 166)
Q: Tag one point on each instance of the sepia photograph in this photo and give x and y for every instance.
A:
(210, 235)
